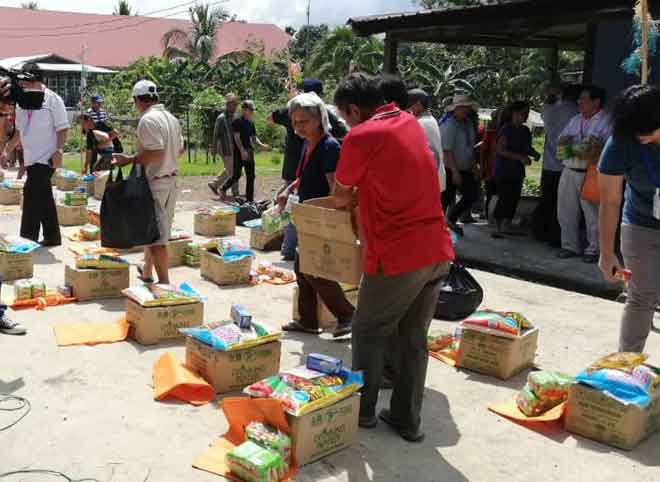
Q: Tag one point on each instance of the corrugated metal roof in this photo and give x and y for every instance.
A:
(62, 64)
(112, 41)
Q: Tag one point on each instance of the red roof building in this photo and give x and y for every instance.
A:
(116, 41)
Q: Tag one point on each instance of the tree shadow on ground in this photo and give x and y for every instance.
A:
(43, 256)
(13, 386)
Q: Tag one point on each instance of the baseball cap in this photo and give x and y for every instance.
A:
(97, 98)
(144, 87)
(313, 85)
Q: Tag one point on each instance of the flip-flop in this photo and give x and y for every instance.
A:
(296, 326)
(142, 278)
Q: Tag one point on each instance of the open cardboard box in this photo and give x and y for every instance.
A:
(15, 266)
(328, 246)
(153, 324)
(212, 226)
(495, 353)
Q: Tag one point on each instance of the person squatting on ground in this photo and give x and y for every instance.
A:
(632, 156)
(458, 140)
(159, 145)
(315, 178)
(591, 127)
(223, 144)
(245, 137)
(407, 247)
(514, 148)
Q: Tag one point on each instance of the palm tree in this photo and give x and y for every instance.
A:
(30, 5)
(342, 52)
(200, 41)
(123, 8)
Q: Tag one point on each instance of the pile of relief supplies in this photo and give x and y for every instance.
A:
(15, 244)
(238, 333)
(230, 249)
(151, 295)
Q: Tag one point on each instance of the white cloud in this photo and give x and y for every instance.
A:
(280, 12)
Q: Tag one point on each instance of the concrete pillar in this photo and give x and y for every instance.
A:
(390, 62)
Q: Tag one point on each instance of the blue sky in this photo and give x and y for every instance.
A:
(281, 12)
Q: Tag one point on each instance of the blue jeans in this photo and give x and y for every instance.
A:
(290, 242)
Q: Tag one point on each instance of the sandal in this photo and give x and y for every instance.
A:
(141, 276)
(297, 326)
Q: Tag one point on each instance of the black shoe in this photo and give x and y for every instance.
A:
(368, 422)
(406, 434)
(566, 254)
(342, 329)
(590, 258)
(468, 219)
(47, 243)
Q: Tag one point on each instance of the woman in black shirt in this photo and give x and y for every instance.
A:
(315, 178)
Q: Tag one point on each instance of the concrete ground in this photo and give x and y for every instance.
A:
(93, 414)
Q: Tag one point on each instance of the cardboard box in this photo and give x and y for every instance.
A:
(215, 269)
(495, 353)
(99, 184)
(176, 250)
(66, 183)
(325, 431)
(212, 226)
(71, 215)
(326, 319)
(88, 186)
(230, 371)
(11, 197)
(264, 242)
(327, 245)
(15, 266)
(153, 324)
(91, 284)
(597, 416)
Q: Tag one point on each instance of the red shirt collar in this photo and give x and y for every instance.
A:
(387, 110)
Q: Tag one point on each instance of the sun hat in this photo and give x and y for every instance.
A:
(461, 100)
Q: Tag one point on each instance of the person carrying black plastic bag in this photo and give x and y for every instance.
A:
(159, 145)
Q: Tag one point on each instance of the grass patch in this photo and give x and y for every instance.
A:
(267, 163)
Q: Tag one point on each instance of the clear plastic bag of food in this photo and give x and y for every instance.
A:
(253, 463)
(270, 438)
(550, 385)
(530, 404)
(626, 361)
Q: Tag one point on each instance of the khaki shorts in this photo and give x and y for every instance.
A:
(164, 192)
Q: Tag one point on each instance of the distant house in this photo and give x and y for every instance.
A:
(115, 42)
(61, 75)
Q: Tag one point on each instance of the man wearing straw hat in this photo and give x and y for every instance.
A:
(458, 139)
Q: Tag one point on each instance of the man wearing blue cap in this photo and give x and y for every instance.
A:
(96, 112)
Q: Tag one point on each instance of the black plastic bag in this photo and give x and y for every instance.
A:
(460, 295)
(128, 216)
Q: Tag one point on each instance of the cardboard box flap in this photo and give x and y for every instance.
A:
(501, 334)
(318, 217)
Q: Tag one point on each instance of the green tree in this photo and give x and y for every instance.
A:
(30, 5)
(306, 37)
(341, 52)
(123, 8)
(198, 43)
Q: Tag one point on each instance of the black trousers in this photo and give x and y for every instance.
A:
(508, 193)
(469, 191)
(39, 206)
(250, 174)
(545, 223)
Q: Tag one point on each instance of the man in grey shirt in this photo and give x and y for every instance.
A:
(458, 140)
(558, 110)
(223, 144)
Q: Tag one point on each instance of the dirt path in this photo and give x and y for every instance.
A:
(195, 189)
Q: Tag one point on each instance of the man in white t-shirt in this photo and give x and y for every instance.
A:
(159, 145)
(42, 133)
(419, 103)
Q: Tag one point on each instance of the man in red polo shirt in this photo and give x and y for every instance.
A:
(386, 167)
